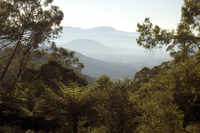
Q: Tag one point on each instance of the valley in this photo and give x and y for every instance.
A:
(105, 50)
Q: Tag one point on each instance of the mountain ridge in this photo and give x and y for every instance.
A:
(103, 29)
(109, 45)
(105, 35)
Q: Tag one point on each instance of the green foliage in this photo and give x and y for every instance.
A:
(186, 77)
(25, 27)
(113, 106)
(79, 108)
(10, 129)
(64, 57)
(193, 128)
(156, 102)
(51, 74)
(183, 44)
(41, 100)
(27, 108)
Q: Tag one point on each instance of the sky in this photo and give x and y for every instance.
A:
(120, 14)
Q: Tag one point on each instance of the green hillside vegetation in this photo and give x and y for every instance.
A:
(39, 95)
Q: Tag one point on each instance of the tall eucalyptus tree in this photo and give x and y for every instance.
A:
(26, 26)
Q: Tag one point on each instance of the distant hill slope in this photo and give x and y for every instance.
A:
(87, 46)
(96, 68)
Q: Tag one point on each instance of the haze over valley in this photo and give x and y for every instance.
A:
(106, 47)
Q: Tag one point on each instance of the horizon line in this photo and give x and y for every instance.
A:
(99, 27)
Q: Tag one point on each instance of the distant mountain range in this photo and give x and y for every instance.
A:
(105, 50)
(106, 35)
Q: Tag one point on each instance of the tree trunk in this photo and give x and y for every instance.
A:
(11, 58)
(75, 129)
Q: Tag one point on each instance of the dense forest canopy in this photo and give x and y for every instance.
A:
(43, 90)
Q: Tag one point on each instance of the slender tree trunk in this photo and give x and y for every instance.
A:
(75, 129)
(22, 66)
(11, 58)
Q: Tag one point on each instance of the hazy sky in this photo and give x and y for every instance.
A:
(119, 14)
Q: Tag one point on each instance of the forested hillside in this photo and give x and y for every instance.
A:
(42, 89)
